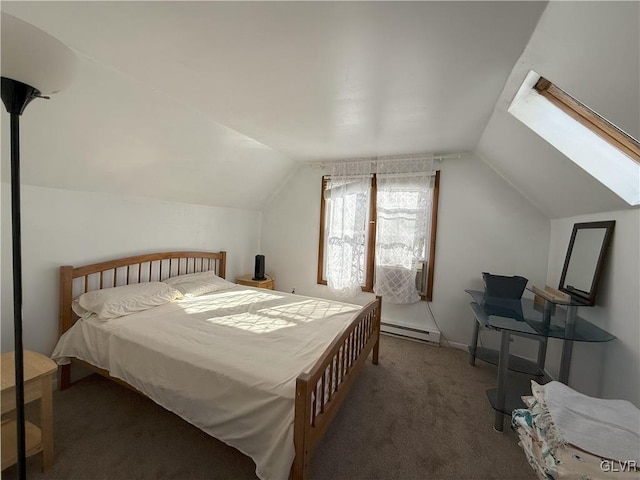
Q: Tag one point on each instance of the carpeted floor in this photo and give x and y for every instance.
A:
(420, 414)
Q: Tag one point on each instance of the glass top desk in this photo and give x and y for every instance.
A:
(529, 318)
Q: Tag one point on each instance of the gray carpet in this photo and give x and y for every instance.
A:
(421, 413)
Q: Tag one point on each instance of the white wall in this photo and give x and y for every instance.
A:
(483, 225)
(63, 227)
(612, 369)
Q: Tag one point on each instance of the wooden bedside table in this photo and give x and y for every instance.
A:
(38, 375)
(250, 282)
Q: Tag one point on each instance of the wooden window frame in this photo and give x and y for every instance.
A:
(371, 246)
(590, 119)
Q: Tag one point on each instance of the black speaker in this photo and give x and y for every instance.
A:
(258, 273)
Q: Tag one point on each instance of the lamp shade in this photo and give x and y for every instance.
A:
(34, 57)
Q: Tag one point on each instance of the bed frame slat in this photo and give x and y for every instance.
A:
(331, 377)
(68, 274)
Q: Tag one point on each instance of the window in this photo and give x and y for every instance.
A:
(593, 143)
(378, 214)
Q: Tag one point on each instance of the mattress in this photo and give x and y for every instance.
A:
(226, 362)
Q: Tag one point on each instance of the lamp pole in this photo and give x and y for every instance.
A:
(33, 62)
(16, 96)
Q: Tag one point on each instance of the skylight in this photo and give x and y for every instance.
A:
(590, 141)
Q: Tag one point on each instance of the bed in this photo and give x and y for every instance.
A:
(263, 371)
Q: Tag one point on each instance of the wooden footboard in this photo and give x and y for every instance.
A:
(321, 391)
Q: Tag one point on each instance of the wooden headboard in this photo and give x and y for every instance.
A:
(74, 281)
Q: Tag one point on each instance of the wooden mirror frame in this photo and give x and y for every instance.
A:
(590, 297)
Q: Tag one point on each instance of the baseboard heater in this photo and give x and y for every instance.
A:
(409, 332)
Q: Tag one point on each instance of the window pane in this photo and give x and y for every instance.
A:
(347, 217)
(403, 204)
(403, 209)
(402, 229)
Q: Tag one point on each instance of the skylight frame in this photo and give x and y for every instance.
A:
(585, 146)
(589, 118)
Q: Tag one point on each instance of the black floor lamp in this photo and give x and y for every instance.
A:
(33, 64)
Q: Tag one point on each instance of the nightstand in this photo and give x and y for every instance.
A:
(250, 282)
(38, 376)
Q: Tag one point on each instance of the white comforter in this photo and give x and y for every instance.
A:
(225, 362)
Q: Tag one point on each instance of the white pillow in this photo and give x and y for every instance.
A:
(78, 310)
(196, 284)
(115, 302)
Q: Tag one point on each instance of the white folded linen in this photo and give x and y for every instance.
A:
(607, 428)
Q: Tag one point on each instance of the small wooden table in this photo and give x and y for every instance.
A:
(38, 377)
(248, 280)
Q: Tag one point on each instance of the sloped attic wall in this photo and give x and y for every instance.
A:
(110, 133)
(592, 50)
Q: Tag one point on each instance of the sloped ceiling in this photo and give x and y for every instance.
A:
(214, 102)
(591, 50)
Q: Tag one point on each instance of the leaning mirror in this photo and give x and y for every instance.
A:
(585, 259)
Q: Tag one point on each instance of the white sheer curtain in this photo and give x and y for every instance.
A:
(347, 201)
(404, 197)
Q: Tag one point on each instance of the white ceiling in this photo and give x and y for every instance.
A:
(302, 80)
(214, 102)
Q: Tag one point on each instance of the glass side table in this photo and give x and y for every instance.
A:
(528, 318)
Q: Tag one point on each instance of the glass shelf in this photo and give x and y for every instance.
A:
(526, 316)
(516, 363)
(518, 387)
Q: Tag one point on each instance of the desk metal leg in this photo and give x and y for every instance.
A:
(474, 343)
(542, 355)
(542, 346)
(567, 346)
(565, 361)
(503, 367)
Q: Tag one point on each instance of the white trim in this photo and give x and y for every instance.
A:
(430, 336)
(459, 346)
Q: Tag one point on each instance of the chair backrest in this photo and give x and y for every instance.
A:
(500, 286)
